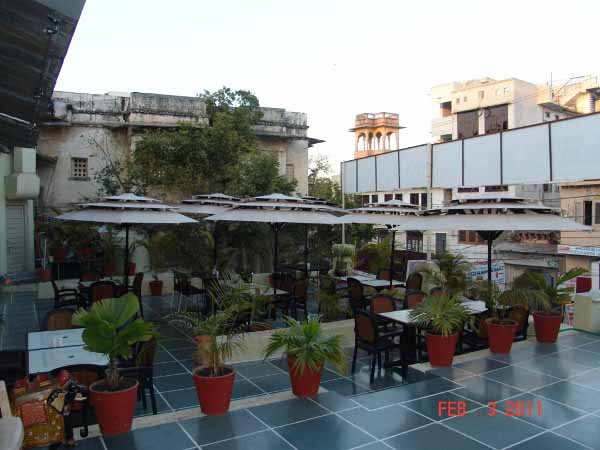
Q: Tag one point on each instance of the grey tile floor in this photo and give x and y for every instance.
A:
(545, 396)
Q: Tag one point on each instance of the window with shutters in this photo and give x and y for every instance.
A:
(374, 198)
(587, 212)
(469, 237)
(440, 243)
(388, 197)
(597, 213)
(398, 197)
(424, 201)
(79, 168)
(414, 199)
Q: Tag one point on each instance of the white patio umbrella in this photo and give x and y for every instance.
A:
(490, 216)
(126, 210)
(396, 215)
(204, 205)
(279, 210)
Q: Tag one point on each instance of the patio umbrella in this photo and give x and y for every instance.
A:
(205, 205)
(490, 216)
(126, 210)
(279, 210)
(396, 215)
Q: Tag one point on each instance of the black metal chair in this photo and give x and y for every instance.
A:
(183, 286)
(299, 297)
(356, 294)
(65, 296)
(102, 289)
(141, 367)
(369, 338)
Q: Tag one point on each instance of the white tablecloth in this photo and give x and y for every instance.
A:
(52, 339)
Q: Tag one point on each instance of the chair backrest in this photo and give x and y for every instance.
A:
(180, 281)
(436, 292)
(414, 281)
(101, 290)
(364, 327)
(55, 288)
(382, 303)
(384, 274)
(300, 289)
(88, 276)
(355, 293)
(137, 284)
(145, 353)
(413, 299)
(58, 319)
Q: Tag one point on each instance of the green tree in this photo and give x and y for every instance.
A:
(259, 175)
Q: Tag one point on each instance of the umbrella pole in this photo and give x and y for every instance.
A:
(306, 249)
(275, 228)
(490, 240)
(126, 269)
(392, 257)
(215, 246)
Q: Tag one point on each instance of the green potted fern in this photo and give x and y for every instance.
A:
(220, 340)
(308, 349)
(443, 317)
(112, 330)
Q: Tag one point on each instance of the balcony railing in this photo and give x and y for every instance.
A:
(378, 119)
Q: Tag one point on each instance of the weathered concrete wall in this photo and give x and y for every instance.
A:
(82, 122)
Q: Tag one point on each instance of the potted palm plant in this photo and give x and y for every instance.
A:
(547, 300)
(308, 349)
(450, 273)
(443, 317)
(111, 330)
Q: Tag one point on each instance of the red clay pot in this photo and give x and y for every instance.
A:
(156, 287)
(59, 254)
(501, 336)
(114, 410)
(131, 269)
(108, 269)
(441, 349)
(546, 326)
(44, 275)
(214, 393)
(305, 384)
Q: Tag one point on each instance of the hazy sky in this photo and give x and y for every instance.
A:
(330, 59)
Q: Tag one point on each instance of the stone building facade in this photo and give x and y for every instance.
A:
(85, 132)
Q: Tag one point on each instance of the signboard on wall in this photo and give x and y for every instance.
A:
(579, 251)
(479, 271)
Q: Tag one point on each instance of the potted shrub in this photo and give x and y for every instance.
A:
(154, 246)
(500, 327)
(547, 301)
(443, 317)
(217, 340)
(307, 350)
(111, 330)
(450, 273)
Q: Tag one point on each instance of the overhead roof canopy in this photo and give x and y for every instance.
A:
(34, 38)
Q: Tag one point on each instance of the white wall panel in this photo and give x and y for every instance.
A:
(576, 148)
(525, 157)
(482, 160)
(447, 164)
(366, 174)
(413, 167)
(387, 171)
(350, 177)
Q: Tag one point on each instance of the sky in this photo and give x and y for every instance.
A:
(330, 59)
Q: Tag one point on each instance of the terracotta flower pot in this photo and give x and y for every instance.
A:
(156, 287)
(546, 326)
(214, 393)
(501, 335)
(305, 384)
(132, 267)
(44, 275)
(114, 410)
(59, 254)
(441, 349)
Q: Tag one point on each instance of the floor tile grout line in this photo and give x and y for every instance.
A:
(277, 433)
(188, 434)
(415, 399)
(103, 442)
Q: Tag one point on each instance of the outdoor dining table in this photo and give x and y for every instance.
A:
(46, 360)
(38, 340)
(408, 338)
(372, 282)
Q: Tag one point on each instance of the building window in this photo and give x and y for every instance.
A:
(481, 94)
(500, 188)
(467, 190)
(414, 241)
(289, 171)
(597, 213)
(457, 100)
(587, 212)
(79, 167)
(498, 92)
(424, 201)
(446, 109)
(440, 244)
(496, 119)
(469, 237)
(547, 188)
(547, 115)
(364, 199)
(374, 198)
(465, 99)
(556, 117)
(445, 138)
(398, 197)
(506, 90)
(387, 197)
(414, 199)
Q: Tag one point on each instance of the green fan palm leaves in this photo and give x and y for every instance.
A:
(443, 315)
(308, 345)
(110, 329)
(451, 273)
(546, 296)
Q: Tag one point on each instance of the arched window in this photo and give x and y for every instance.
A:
(391, 141)
(378, 142)
(361, 142)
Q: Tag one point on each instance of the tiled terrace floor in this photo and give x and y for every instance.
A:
(350, 414)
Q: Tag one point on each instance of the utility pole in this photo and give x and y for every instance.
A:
(343, 199)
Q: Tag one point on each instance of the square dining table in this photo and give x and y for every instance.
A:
(38, 340)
